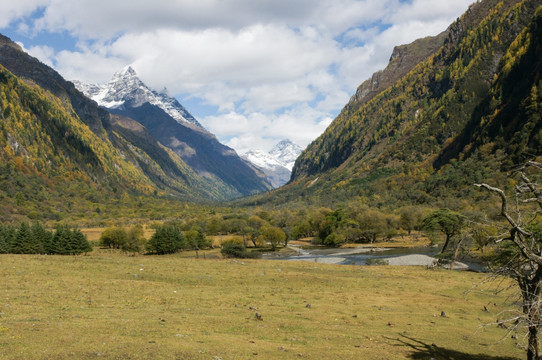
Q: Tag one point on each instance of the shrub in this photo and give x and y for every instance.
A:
(114, 238)
(135, 240)
(232, 249)
(334, 239)
(376, 262)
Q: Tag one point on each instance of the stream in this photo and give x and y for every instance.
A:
(422, 256)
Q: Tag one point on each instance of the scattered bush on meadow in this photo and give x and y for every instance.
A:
(235, 249)
(135, 240)
(197, 240)
(130, 240)
(113, 237)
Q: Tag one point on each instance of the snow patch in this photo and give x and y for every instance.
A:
(126, 87)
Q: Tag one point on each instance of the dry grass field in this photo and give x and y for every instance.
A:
(113, 306)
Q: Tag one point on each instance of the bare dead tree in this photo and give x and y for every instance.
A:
(523, 240)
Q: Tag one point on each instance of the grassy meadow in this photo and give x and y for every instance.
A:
(112, 306)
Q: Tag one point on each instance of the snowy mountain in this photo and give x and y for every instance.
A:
(277, 164)
(286, 152)
(173, 126)
(126, 87)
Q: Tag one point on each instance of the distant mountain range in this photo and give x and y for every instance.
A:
(277, 164)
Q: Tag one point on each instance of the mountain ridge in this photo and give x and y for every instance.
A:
(125, 86)
(128, 96)
(366, 132)
(410, 143)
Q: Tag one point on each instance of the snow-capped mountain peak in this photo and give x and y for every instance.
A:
(286, 152)
(277, 164)
(262, 159)
(126, 87)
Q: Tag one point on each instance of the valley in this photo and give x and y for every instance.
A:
(130, 230)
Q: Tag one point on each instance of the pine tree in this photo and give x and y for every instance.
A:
(25, 242)
(42, 237)
(166, 240)
(81, 244)
(61, 240)
(69, 242)
(7, 237)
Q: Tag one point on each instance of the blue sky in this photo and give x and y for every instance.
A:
(252, 72)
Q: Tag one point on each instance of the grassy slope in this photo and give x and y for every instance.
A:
(174, 307)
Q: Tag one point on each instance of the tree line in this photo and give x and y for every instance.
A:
(35, 239)
(167, 239)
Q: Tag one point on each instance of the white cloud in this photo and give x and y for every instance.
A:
(45, 54)
(257, 130)
(273, 68)
(14, 10)
(89, 67)
(104, 19)
(428, 11)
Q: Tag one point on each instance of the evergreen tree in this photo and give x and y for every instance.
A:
(80, 242)
(7, 237)
(42, 237)
(61, 240)
(166, 240)
(25, 242)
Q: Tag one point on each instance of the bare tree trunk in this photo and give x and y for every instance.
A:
(456, 252)
(531, 308)
(532, 350)
(527, 270)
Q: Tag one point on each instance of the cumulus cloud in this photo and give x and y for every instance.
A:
(257, 130)
(104, 19)
(273, 68)
(14, 10)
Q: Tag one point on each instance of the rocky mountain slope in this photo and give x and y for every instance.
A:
(126, 88)
(171, 124)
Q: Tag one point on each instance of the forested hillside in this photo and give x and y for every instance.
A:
(464, 114)
(61, 154)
